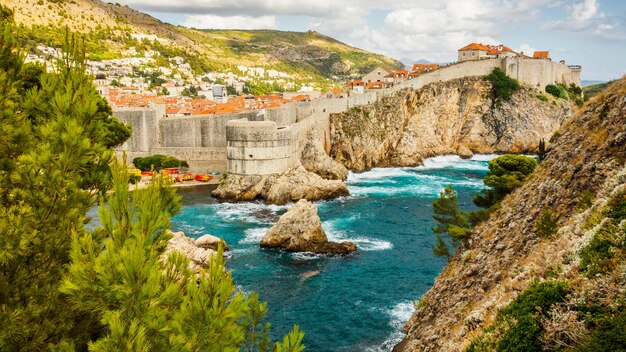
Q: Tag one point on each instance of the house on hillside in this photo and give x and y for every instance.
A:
(478, 51)
(377, 75)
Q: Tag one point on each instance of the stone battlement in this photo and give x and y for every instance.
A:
(250, 143)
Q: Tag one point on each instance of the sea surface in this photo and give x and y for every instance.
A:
(357, 302)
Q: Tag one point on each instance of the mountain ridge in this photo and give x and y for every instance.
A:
(110, 29)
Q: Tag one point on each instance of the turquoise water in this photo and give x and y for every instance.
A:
(357, 302)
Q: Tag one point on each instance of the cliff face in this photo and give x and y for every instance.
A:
(506, 254)
(453, 117)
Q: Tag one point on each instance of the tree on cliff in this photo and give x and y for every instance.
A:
(451, 220)
(505, 174)
(55, 155)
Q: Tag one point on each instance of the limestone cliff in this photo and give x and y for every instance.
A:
(453, 117)
(506, 253)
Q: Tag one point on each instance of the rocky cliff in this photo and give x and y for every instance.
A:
(453, 117)
(582, 182)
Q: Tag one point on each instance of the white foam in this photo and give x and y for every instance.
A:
(246, 211)
(254, 235)
(378, 173)
(307, 256)
(399, 315)
(362, 243)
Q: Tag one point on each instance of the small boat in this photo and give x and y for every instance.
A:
(203, 177)
(188, 177)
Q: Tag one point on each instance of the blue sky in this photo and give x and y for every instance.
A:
(591, 33)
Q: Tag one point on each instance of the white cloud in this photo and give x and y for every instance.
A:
(586, 19)
(230, 22)
(526, 49)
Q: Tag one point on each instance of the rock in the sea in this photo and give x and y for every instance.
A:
(315, 159)
(199, 256)
(298, 183)
(210, 242)
(293, 185)
(300, 230)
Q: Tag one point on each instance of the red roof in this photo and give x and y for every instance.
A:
(490, 49)
(541, 55)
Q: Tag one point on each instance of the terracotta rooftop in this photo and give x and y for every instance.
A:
(541, 55)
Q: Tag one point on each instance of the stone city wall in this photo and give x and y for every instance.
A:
(259, 147)
(268, 141)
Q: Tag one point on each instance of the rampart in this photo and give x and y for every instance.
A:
(264, 142)
(259, 147)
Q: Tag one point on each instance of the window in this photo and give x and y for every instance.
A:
(379, 73)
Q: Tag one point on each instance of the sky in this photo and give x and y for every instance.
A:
(591, 33)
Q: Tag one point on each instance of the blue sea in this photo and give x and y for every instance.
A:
(358, 302)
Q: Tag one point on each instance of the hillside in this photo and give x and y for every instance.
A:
(453, 117)
(517, 290)
(110, 30)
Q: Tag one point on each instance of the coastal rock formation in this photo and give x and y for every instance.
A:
(587, 160)
(300, 230)
(453, 117)
(293, 185)
(211, 242)
(198, 251)
(315, 159)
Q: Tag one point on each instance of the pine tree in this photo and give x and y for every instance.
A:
(541, 153)
(450, 218)
(441, 248)
(53, 160)
(62, 288)
(145, 303)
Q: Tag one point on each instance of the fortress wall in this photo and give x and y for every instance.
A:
(201, 159)
(144, 124)
(282, 116)
(259, 147)
(458, 70)
(539, 73)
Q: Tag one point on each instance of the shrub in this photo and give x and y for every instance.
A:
(596, 256)
(157, 162)
(524, 313)
(542, 97)
(610, 335)
(547, 223)
(585, 200)
(503, 86)
(557, 90)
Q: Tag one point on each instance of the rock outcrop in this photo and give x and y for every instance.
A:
(453, 117)
(198, 251)
(293, 185)
(300, 230)
(506, 253)
(315, 159)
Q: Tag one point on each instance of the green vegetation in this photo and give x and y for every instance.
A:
(518, 325)
(592, 90)
(558, 91)
(585, 200)
(158, 162)
(451, 221)
(542, 97)
(505, 173)
(502, 86)
(65, 288)
(547, 224)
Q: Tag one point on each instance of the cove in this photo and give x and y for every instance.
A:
(354, 303)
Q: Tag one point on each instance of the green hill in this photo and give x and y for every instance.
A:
(110, 29)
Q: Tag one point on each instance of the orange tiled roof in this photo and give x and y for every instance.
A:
(541, 55)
